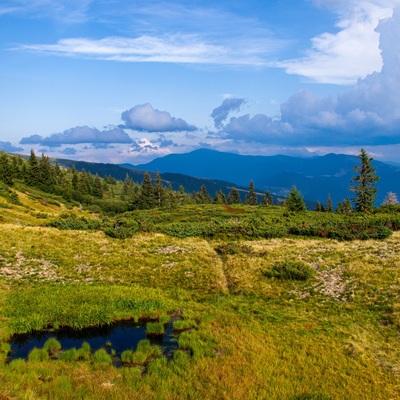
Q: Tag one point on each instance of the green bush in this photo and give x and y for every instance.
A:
(120, 232)
(290, 270)
(75, 223)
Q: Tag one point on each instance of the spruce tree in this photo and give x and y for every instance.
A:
(47, 174)
(181, 196)
(127, 188)
(233, 196)
(6, 169)
(97, 187)
(347, 208)
(219, 197)
(294, 201)
(146, 198)
(329, 205)
(364, 187)
(251, 198)
(170, 198)
(159, 191)
(74, 178)
(267, 199)
(32, 171)
(202, 197)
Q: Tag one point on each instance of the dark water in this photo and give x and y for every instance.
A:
(120, 336)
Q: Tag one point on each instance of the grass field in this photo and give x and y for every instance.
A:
(256, 335)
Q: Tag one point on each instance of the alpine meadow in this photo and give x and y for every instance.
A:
(267, 301)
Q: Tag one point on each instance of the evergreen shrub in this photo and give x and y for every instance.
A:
(290, 270)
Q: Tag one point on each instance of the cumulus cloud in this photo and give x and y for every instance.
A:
(145, 118)
(79, 134)
(367, 114)
(221, 113)
(352, 52)
(9, 148)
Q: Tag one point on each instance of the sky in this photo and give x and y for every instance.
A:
(127, 81)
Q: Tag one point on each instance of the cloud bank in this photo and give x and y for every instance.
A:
(145, 118)
(78, 135)
(9, 148)
(367, 114)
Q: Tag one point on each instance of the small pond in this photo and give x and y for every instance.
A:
(119, 336)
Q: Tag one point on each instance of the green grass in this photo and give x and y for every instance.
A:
(333, 335)
(155, 328)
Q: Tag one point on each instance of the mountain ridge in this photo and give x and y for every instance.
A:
(316, 177)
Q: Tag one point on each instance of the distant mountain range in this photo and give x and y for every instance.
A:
(315, 177)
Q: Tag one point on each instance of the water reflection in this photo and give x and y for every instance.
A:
(120, 336)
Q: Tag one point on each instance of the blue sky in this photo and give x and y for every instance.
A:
(127, 81)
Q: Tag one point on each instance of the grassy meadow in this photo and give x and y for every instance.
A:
(275, 317)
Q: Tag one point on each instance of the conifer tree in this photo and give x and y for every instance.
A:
(364, 184)
(329, 205)
(75, 178)
(233, 196)
(83, 183)
(251, 198)
(318, 207)
(267, 199)
(97, 187)
(46, 178)
(159, 191)
(202, 197)
(181, 195)
(344, 207)
(146, 198)
(32, 171)
(6, 169)
(127, 188)
(219, 197)
(170, 199)
(294, 201)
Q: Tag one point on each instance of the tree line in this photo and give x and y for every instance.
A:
(111, 194)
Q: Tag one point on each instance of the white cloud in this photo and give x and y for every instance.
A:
(145, 118)
(80, 134)
(366, 114)
(170, 48)
(352, 52)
